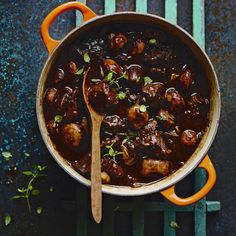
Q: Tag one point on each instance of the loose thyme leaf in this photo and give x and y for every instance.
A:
(51, 189)
(147, 80)
(7, 155)
(58, 118)
(95, 80)
(7, 220)
(80, 71)
(39, 210)
(174, 225)
(152, 41)
(109, 76)
(143, 108)
(101, 71)
(86, 57)
(27, 173)
(121, 95)
(35, 192)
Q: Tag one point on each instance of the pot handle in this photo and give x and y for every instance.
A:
(51, 43)
(170, 195)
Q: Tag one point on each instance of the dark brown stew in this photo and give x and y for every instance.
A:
(150, 88)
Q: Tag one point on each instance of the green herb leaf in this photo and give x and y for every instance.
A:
(35, 192)
(40, 168)
(174, 225)
(58, 118)
(95, 80)
(86, 57)
(7, 220)
(143, 108)
(80, 71)
(132, 133)
(7, 155)
(27, 173)
(26, 154)
(121, 95)
(21, 190)
(147, 80)
(152, 41)
(109, 76)
(51, 189)
(17, 197)
(101, 71)
(39, 210)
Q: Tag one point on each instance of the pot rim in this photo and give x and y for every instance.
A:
(154, 186)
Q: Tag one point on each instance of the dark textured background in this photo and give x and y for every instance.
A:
(22, 55)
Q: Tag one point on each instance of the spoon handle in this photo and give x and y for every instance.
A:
(96, 184)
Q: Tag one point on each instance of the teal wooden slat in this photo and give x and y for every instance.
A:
(213, 206)
(81, 209)
(200, 218)
(79, 18)
(108, 216)
(109, 6)
(138, 216)
(169, 215)
(141, 6)
(199, 22)
(171, 10)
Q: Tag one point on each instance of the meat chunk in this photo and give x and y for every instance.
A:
(158, 55)
(105, 178)
(137, 117)
(186, 78)
(111, 140)
(72, 134)
(175, 100)
(112, 168)
(129, 155)
(72, 110)
(165, 118)
(155, 141)
(51, 95)
(111, 65)
(134, 73)
(83, 165)
(53, 127)
(102, 95)
(114, 123)
(138, 47)
(189, 138)
(153, 90)
(117, 41)
(153, 166)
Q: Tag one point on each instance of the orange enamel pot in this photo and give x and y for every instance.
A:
(199, 158)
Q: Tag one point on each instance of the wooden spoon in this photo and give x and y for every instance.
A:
(96, 184)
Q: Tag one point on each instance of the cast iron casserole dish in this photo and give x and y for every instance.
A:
(199, 158)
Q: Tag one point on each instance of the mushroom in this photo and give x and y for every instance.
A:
(72, 134)
(165, 118)
(154, 166)
(175, 100)
(105, 178)
(153, 90)
(51, 95)
(186, 78)
(139, 47)
(134, 73)
(117, 41)
(59, 75)
(72, 67)
(111, 65)
(63, 98)
(189, 138)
